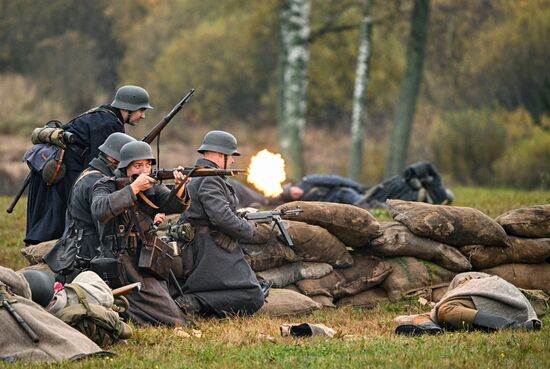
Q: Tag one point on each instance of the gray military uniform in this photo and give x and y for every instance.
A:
(118, 234)
(221, 280)
(80, 241)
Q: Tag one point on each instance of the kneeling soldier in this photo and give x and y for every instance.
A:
(220, 281)
(80, 240)
(127, 213)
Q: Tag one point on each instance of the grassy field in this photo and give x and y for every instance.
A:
(365, 337)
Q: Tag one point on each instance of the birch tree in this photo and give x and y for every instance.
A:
(410, 86)
(359, 110)
(293, 62)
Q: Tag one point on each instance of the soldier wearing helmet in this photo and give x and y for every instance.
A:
(90, 129)
(126, 214)
(78, 245)
(221, 281)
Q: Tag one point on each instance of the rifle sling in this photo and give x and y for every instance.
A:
(147, 201)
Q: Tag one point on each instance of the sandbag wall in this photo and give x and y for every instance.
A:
(344, 256)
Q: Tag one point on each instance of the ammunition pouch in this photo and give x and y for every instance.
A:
(224, 241)
(106, 267)
(181, 232)
(156, 257)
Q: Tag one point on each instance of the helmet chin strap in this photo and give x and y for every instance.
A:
(127, 120)
(224, 161)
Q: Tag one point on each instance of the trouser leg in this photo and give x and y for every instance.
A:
(457, 313)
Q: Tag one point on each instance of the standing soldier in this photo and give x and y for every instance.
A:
(80, 241)
(91, 128)
(128, 215)
(221, 281)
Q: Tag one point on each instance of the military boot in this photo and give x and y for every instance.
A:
(189, 304)
(490, 322)
(418, 329)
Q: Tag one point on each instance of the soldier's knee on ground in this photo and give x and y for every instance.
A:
(457, 314)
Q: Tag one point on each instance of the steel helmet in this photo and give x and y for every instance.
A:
(131, 98)
(113, 144)
(219, 141)
(135, 150)
(41, 284)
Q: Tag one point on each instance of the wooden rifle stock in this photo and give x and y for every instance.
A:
(153, 133)
(125, 290)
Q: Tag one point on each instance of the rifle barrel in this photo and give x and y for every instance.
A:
(155, 131)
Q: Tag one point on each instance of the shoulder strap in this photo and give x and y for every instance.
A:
(80, 294)
(93, 110)
(84, 174)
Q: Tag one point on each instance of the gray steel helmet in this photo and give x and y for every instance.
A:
(131, 98)
(41, 284)
(113, 144)
(219, 141)
(136, 150)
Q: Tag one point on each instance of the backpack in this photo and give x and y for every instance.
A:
(102, 325)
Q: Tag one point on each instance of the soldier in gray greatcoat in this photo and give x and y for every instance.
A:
(80, 241)
(221, 281)
(122, 213)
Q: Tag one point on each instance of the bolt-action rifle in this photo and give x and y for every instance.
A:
(149, 137)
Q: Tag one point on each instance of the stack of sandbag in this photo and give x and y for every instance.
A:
(526, 262)
(319, 266)
(366, 273)
(515, 246)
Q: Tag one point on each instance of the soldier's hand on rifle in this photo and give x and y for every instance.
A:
(159, 218)
(142, 183)
(178, 178)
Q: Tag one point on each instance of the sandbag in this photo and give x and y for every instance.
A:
(352, 225)
(325, 301)
(430, 293)
(411, 273)
(292, 287)
(367, 272)
(263, 233)
(367, 299)
(527, 276)
(34, 253)
(290, 273)
(452, 225)
(521, 250)
(314, 243)
(269, 255)
(540, 301)
(397, 240)
(284, 302)
(40, 266)
(532, 221)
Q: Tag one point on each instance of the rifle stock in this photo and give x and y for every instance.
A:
(153, 133)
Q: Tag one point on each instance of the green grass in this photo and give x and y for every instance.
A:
(365, 337)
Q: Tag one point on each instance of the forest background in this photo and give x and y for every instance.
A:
(481, 111)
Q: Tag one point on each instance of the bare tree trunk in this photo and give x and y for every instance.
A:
(359, 112)
(410, 86)
(293, 62)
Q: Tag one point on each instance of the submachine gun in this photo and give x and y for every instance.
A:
(271, 216)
